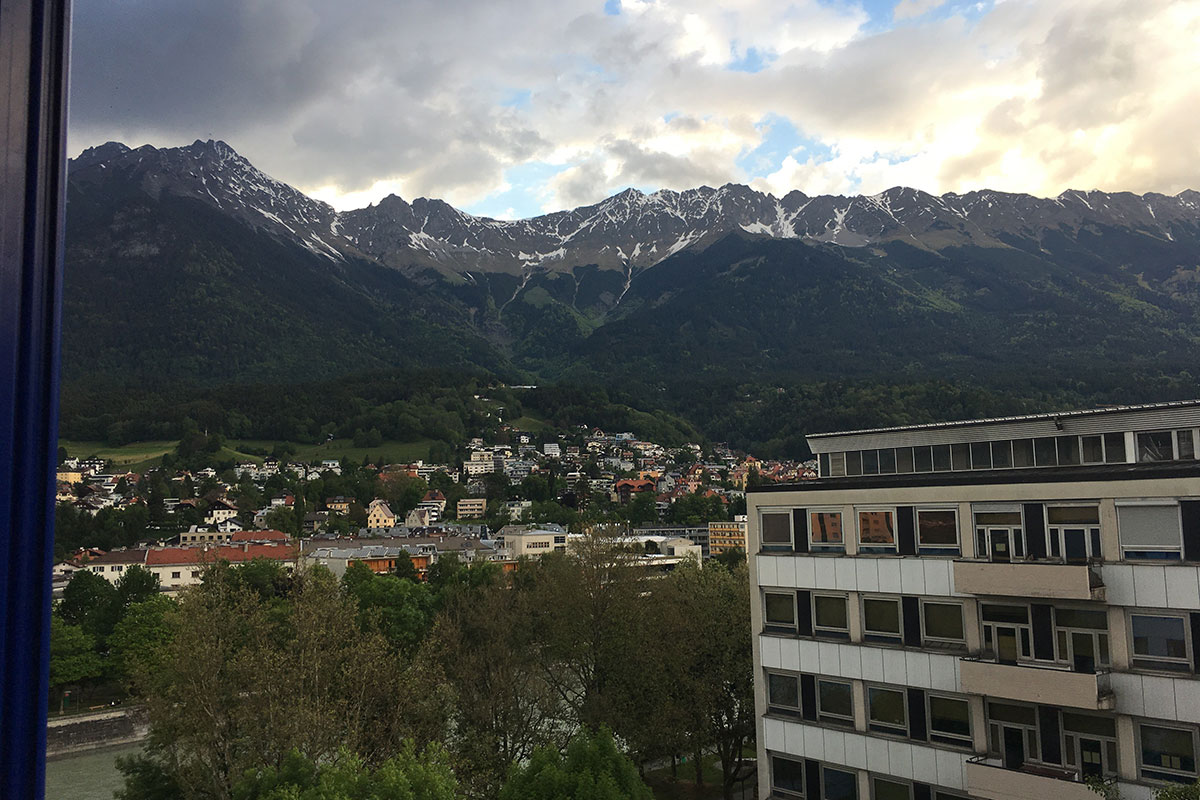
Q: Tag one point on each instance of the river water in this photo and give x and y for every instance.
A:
(86, 776)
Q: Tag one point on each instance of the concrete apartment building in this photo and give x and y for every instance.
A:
(992, 609)
(726, 536)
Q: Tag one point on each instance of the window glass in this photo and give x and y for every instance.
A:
(1018, 615)
(1005, 712)
(854, 462)
(960, 454)
(1022, 452)
(941, 457)
(1187, 447)
(1077, 618)
(943, 620)
(830, 612)
(1093, 449)
(937, 528)
(1154, 446)
(825, 527)
(1167, 752)
(1008, 519)
(923, 459)
(885, 710)
(1158, 637)
(783, 690)
(823, 462)
(870, 462)
(883, 789)
(777, 528)
(887, 461)
(1073, 515)
(780, 609)
(904, 460)
(981, 455)
(1068, 450)
(1114, 448)
(881, 617)
(1089, 725)
(1002, 454)
(835, 698)
(949, 720)
(876, 528)
(837, 784)
(787, 774)
(1044, 452)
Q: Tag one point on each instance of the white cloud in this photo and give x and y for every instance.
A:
(374, 97)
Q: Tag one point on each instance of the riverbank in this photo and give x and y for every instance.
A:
(80, 733)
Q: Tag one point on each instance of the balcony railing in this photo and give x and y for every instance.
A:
(1035, 683)
(1038, 579)
(989, 779)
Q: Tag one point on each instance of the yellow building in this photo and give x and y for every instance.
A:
(472, 507)
(726, 536)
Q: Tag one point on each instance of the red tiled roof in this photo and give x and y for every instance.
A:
(259, 536)
(233, 553)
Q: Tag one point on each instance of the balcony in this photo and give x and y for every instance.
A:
(988, 780)
(1036, 684)
(1035, 579)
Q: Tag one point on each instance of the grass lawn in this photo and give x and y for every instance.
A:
(133, 457)
(683, 787)
(528, 424)
(138, 456)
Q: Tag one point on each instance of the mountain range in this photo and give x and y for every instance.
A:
(191, 265)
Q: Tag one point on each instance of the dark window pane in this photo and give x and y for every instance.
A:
(1093, 450)
(1002, 454)
(825, 527)
(783, 690)
(981, 455)
(886, 707)
(1089, 725)
(1158, 637)
(835, 698)
(839, 785)
(1068, 450)
(830, 612)
(937, 528)
(889, 790)
(961, 455)
(787, 775)
(943, 620)
(1012, 614)
(923, 459)
(887, 461)
(941, 457)
(876, 528)
(780, 609)
(881, 616)
(824, 465)
(904, 460)
(1187, 448)
(777, 528)
(870, 459)
(950, 717)
(854, 462)
(1078, 618)
(1022, 452)
(1168, 748)
(1154, 446)
(1114, 448)
(1073, 515)
(1044, 452)
(1003, 712)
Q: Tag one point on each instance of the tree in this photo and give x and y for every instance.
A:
(401, 610)
(405, 776)
(405, 568)
(731, 559)
(282, 519)
(139, 639)
(86, 602)
(73, 657)
(593, 768)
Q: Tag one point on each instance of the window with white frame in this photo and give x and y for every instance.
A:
(1073, 532)
(937, 531)
(779, 610)
(881, 619)
(1150, 530)
(942, 625)
(825, 530)
(776, 528)
(1160, 641)
(890, 789)
(835, 702)
(1167, 753)
(886, 711)
(949, 720)
(783, 692)
(1090, 744)
(787, 776)
(830, 616)
(877, 530)
(838, 784)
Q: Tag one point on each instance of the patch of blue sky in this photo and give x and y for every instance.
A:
(612, 7)
(516, 98)
(753, 60)
(524, 196)
(780, 139)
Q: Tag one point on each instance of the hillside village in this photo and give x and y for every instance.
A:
(500, 502)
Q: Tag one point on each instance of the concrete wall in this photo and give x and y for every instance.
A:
(80, 732)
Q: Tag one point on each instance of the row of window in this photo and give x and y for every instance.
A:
(1043, 451)
(907, 712)
(1148, 530)
(1076, 638)
(806, 778)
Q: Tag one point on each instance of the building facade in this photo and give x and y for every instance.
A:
(995, 609)
(724, 537)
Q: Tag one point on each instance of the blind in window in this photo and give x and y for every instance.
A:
(1149, 527)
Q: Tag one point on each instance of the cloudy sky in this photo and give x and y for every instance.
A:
(514, 108)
